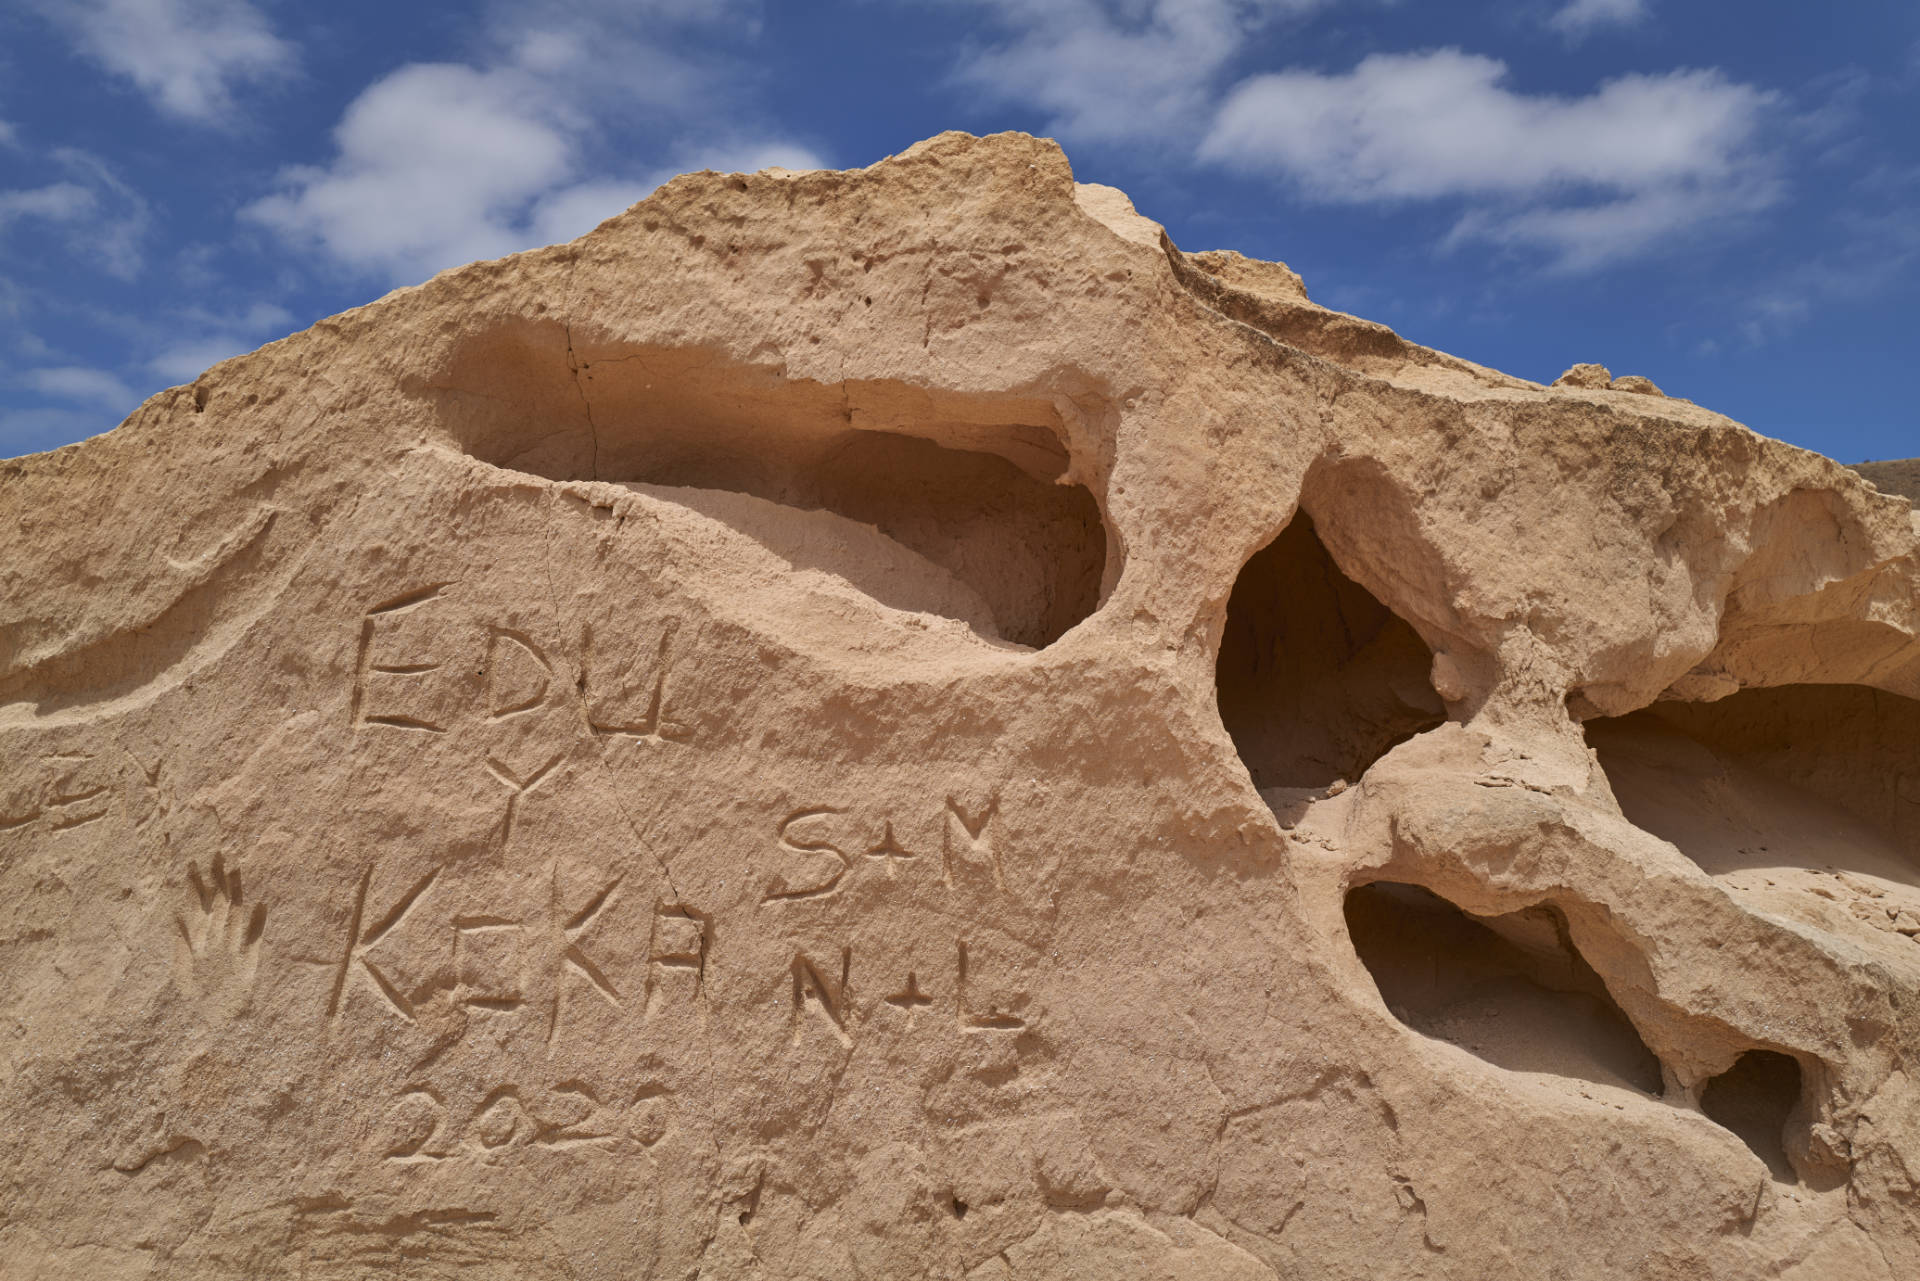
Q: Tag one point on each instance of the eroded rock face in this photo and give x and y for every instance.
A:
(891, 723)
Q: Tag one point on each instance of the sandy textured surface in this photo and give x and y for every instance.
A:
(891, 723)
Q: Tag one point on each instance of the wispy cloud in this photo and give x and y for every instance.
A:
(101, 221)
(1872, 252)
(1106, 71)
(1583, 238)
(1581, 17)
(438, 164)
(55, 202)
(187, 56)
(204, 339)
(82, 385)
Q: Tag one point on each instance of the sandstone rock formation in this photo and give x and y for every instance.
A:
(892, 723)
(1600, 378)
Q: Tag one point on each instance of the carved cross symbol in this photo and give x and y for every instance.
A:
(911, 999)
(891, 850)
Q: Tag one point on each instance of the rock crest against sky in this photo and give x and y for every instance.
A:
(1719, 207)
(892, 723)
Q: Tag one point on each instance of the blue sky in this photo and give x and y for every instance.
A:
(1723, 198)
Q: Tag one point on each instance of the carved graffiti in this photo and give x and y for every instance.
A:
(495, 954)
(388, 688)
(681, 937)
(573, 960)
(824, 996)
(989, 1017)
(412, 647)
(969, 840)
(822, 847)
(356, 961)
(631, 700)
(420, 1126)
(488, 958)
(517, 787)
(68, 790)
(814, 990)
(800, 833)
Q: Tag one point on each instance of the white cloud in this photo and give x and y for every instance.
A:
(55, 202)
(1590, 179)
(187, 56)
(621, 56)
(435, 162)
(1402, 126)
(9, 136)
(102, 221)
(439, 164)
(1586, 179)
(1580, 17)
(82, 385)
(263, 316)
(1109, 70)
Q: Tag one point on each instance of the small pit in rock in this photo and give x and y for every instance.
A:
(1755, 1098)
(1316, 678)
(974, 488)
(1512, 989)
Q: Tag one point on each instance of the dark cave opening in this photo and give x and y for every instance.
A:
(1512, 989)
(1754, 1098)
(1316, 678)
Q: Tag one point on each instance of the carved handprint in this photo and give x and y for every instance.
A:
(219, 952)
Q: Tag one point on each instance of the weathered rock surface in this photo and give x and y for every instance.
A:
(891, 723)
(1600, 378)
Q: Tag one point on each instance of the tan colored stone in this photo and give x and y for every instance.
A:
(893, 723)
(1271, 280)
(1590, 377)
(1638, 385)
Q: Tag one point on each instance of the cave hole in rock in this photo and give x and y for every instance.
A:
(1818, 777)
(939, 502)
(1512, 989)
(1755, 1098)
(1316, 678)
